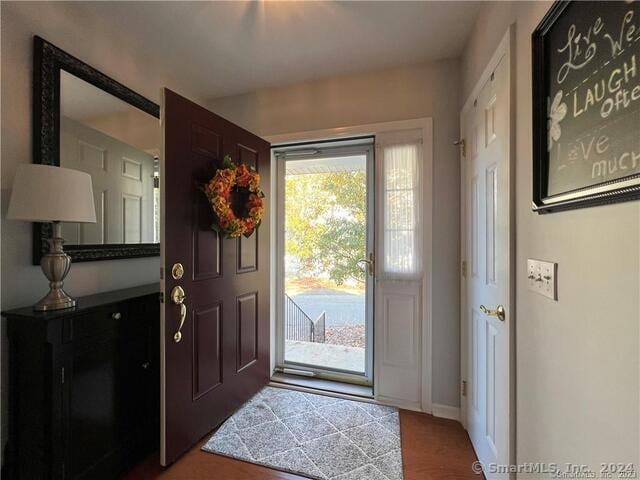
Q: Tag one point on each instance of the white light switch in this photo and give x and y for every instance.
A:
(541, 278)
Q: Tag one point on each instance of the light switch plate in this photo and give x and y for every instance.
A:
(542, 278)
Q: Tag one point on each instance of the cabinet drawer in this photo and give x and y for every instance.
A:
(101, 320)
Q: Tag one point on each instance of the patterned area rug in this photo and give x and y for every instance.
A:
(316, 436)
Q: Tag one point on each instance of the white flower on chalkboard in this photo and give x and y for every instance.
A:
(557, 111)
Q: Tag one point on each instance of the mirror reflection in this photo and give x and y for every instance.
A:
(119, 146)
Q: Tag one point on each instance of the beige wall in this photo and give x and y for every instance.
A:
(427, 90)
(578, 364)
(76, 29)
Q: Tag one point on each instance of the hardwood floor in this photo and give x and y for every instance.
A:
(432, 449)
(435, 448)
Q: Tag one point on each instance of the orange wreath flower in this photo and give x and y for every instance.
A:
(236, 199)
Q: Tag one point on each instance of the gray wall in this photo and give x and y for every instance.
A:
(425, 90)
(77, 30)
(578, 363)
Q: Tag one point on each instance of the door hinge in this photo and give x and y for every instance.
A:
(62, 376)
(161, 297)
(161, 273)
(463, 146)
(464, 388)
(464, 268)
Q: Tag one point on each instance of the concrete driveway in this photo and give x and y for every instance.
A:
(340, 308)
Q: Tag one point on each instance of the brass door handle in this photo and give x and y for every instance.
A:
(499, 312)
(371, 263)
(178, 296)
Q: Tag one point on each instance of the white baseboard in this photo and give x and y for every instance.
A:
(446, 411)
(398, 403)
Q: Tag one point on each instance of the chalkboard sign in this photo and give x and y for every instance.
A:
(586, 105)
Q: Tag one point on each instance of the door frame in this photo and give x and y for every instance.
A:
(504, 50)
(344, 132)
(163, 288)
(279, 171)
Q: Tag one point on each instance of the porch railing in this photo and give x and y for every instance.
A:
(299, 326)
(318, 329)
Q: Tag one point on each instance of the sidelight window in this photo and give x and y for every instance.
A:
(401, 199)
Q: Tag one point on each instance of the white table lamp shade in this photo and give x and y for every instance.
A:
(43, 193)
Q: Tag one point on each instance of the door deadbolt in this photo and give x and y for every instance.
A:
(177, 271)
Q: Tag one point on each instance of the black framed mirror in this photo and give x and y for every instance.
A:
(85, 120)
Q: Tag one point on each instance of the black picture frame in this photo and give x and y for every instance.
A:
(48, 60)
(607, 192)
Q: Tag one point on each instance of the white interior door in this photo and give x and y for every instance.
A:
(122, 177)
(487, 252)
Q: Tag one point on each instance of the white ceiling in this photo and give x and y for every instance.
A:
(225, 48)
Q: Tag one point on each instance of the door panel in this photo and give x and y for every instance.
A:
(248, 254)
(207, 350)
(398, 347)
(247, 327)
(206, 256)
(248, 247)
(222, 358)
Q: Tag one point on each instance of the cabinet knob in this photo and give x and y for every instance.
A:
(116, 316)
(145, 365)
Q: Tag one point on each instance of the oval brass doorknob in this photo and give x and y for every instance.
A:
(499, 312)
(178, 295)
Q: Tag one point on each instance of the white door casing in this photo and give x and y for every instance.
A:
(487, 250)
(414, 390)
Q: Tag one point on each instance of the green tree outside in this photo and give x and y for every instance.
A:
(325, 223)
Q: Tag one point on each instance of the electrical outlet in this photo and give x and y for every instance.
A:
(541, 278)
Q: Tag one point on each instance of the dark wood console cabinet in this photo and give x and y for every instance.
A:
(84, 386)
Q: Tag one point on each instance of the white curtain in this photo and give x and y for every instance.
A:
(401, 205)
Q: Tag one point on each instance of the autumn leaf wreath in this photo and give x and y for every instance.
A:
(236, 199)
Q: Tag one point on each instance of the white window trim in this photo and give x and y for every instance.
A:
(426, 125)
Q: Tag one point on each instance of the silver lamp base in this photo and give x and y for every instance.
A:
(56, 299)
(55, 266)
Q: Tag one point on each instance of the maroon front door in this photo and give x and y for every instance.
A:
(221, 356)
